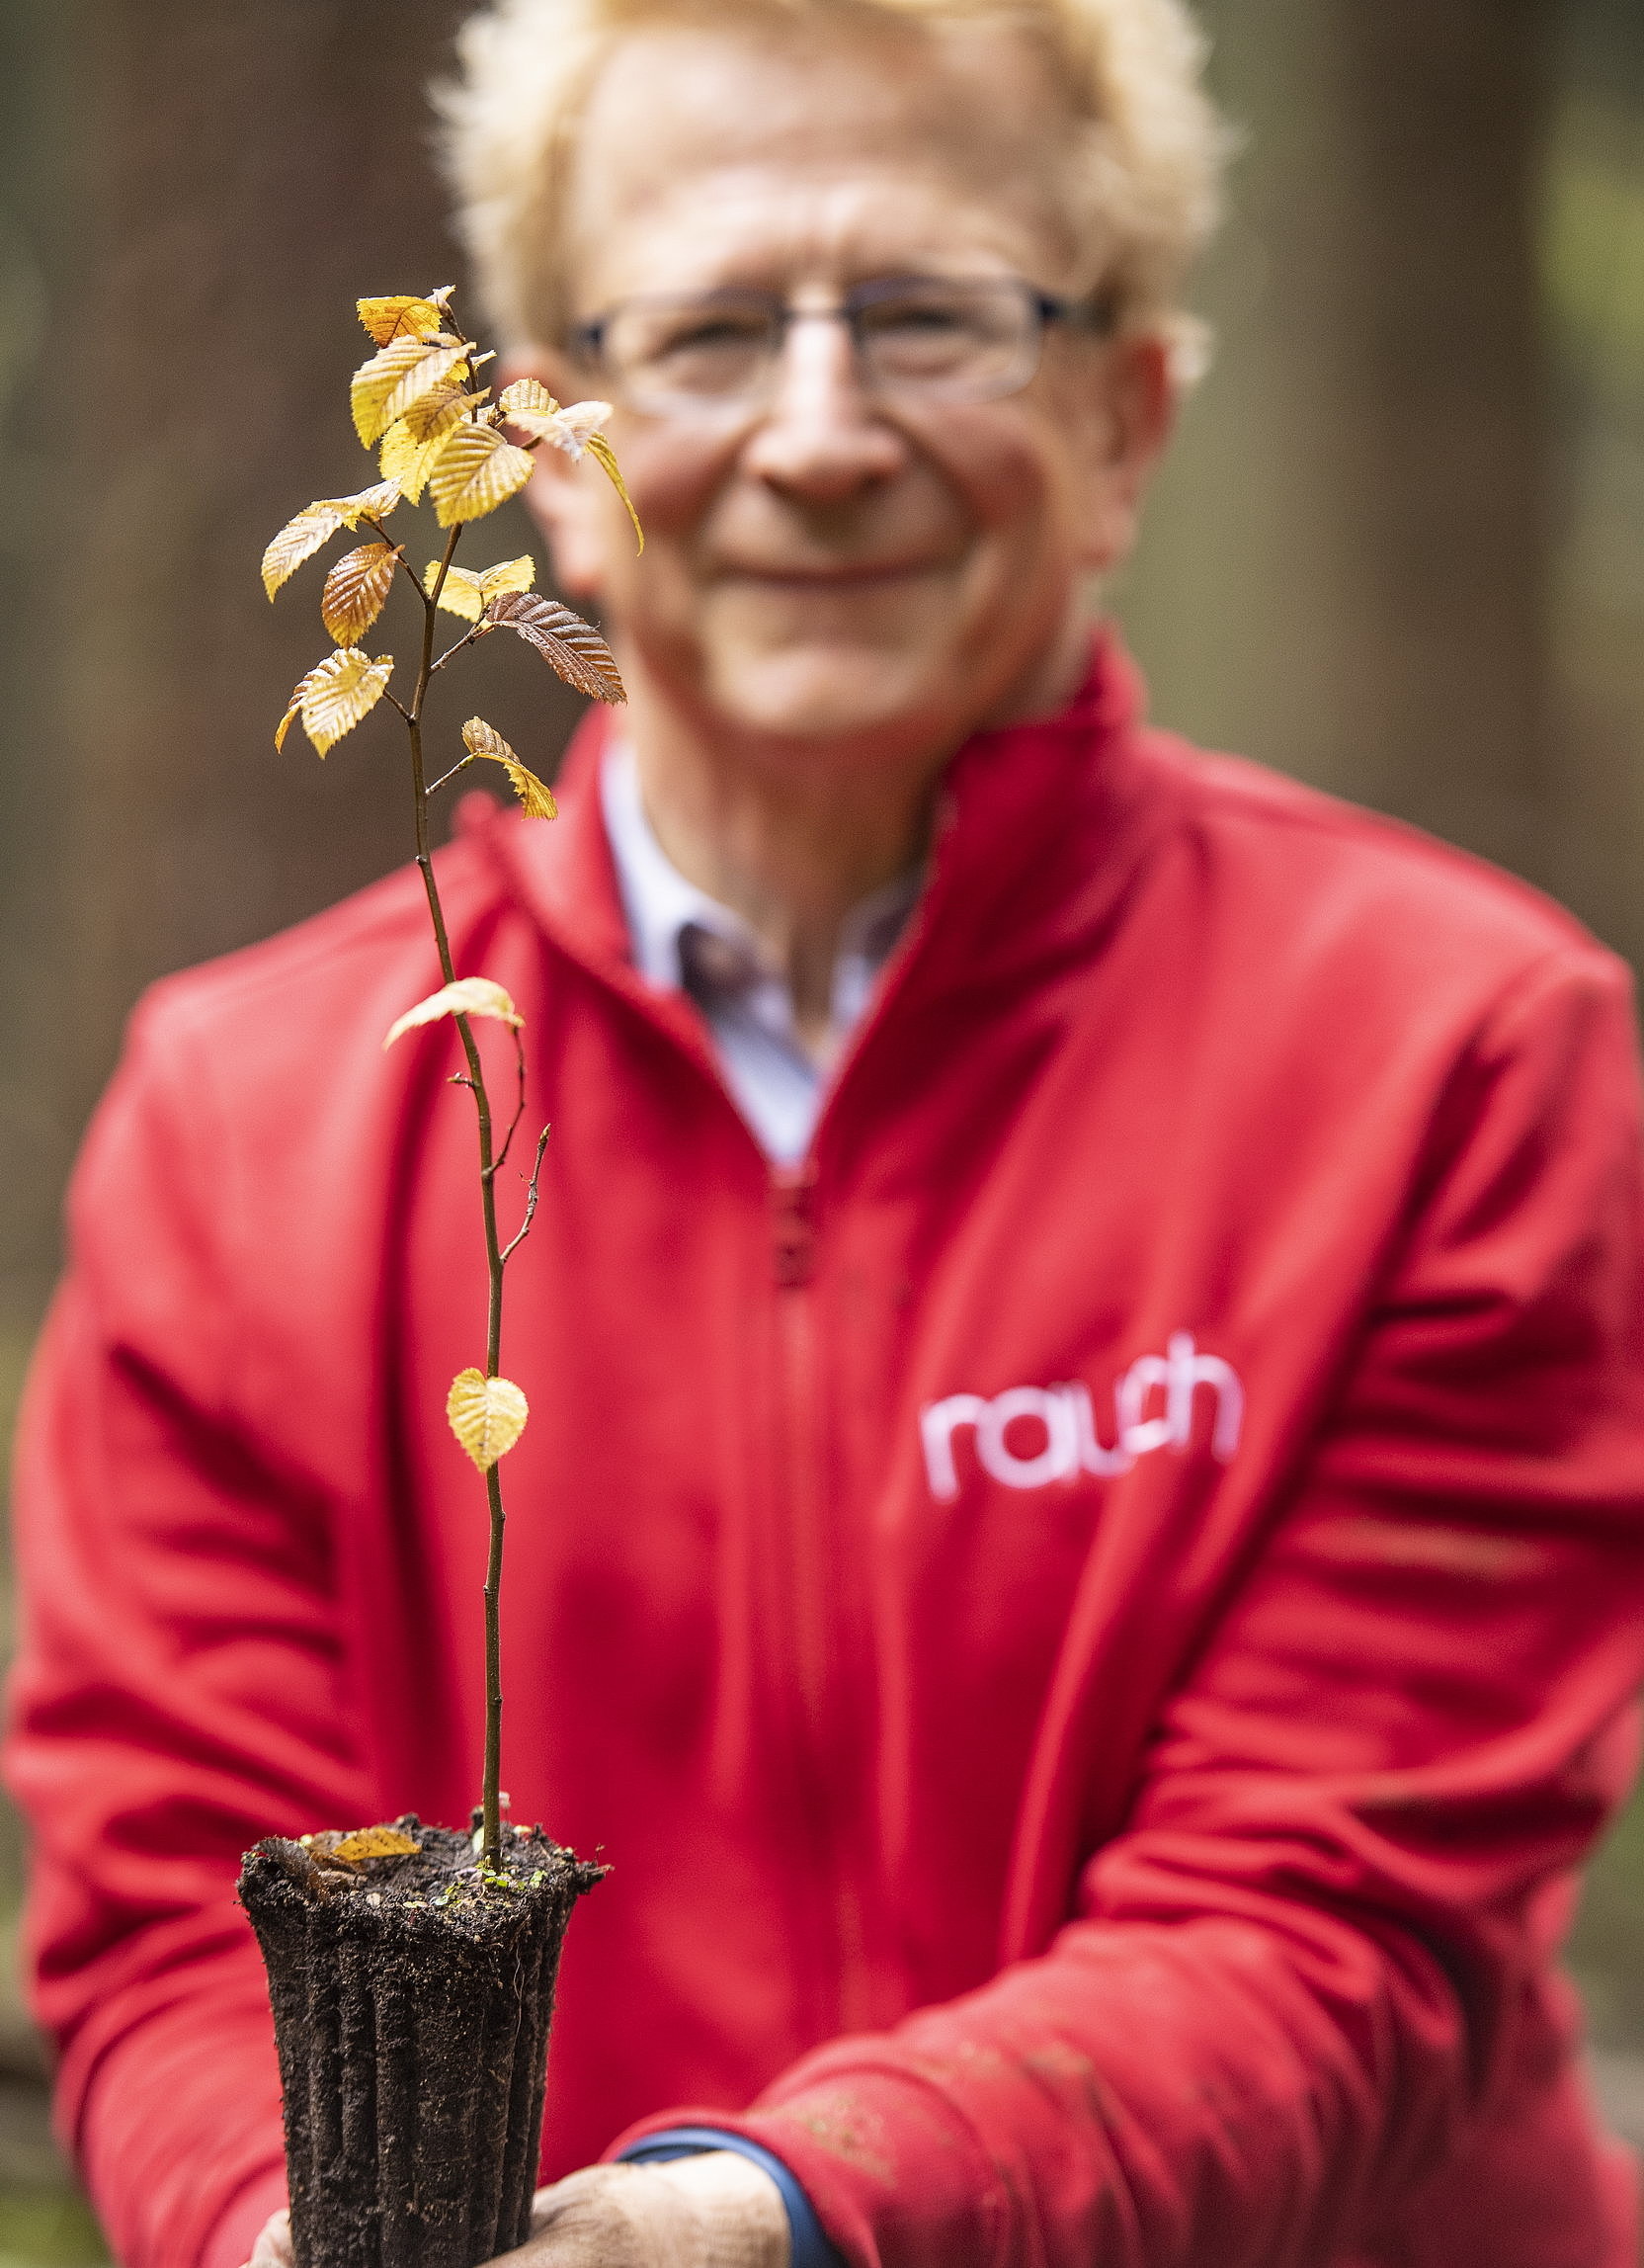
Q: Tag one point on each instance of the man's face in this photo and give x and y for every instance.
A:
(843, 570)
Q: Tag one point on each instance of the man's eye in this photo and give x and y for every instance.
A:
(709, 334)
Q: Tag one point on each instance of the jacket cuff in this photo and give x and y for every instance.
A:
(230, 2242)
(808, 2243)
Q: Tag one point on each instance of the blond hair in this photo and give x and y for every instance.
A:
(1146, 144)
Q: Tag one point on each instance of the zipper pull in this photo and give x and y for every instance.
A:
(792, 1228)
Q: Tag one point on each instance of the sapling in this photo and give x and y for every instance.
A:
(411, 1969)
(419, 402)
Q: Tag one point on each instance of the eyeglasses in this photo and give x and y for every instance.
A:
(924, 338)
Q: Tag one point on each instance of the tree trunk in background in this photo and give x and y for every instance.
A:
(1348, 573)
(242, 174)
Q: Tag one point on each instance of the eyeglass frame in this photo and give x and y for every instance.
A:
(1096, 311)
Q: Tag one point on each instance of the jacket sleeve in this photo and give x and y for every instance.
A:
(177, 1690)
(1314, 1951)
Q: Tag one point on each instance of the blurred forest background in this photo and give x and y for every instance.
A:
(1399, 551)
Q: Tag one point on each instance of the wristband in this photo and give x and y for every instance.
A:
(810, 2247)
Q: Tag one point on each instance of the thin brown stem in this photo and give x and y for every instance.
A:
(533, 1188)
(489, 1800)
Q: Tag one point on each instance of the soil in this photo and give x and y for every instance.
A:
(412, 1994)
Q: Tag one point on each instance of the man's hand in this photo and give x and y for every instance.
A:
(716, 2211)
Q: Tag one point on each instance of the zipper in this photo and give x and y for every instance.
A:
(839, 1997)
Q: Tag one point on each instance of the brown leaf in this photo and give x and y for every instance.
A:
(397, 376)
(482, 739)
(575, 647)
(476, 471)
(366, 1843)
(338, 692)
(357, 591)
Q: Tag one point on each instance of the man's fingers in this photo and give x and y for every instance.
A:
(273, 2248)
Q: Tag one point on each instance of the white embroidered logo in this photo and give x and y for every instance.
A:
(1067, 1417)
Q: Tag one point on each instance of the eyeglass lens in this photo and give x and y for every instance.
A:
(927, 336)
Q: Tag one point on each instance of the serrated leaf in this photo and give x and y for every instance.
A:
(601, 450)
(397, 376)
(364, 504)
(527, 393)
(339, 691)
(460, 593)
(413, 441)
(487, 1415)
(357, 591)
(476, 471)
(482, 739)
(467, 996)
(568, 429)
(405, 314)
(297, 541)
(468, 595)
(570, 645)
(293, 707)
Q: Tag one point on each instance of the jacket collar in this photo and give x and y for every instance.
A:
(1038, 827)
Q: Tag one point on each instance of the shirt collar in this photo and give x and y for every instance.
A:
(662, 907)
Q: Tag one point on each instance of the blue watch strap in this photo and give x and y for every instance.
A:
(809, 2243)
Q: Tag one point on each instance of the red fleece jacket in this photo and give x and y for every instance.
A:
(1093, 1621)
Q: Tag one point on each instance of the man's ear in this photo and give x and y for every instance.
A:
(563, 506)
(1139, 402)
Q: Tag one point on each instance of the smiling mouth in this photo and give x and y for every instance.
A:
(835, 578)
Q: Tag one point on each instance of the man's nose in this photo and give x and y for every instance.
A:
(821, 437)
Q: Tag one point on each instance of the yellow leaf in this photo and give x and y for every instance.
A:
(487, 1415)
(357, 591)
(606, 457)
(482, 739)
(297, 541)
(339, 691)
(294, 708)
(527, 393)
(460, 593)
(413, 441)
(365, 504)
(468, 594)
(476, 471)
(467, 996)
(398, 374)
(366, 1843)
(571, 430)
(565, 641)
(404, 315)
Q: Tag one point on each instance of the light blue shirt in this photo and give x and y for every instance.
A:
(683, 940)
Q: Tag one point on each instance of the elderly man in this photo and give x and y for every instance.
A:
(1082, 1539)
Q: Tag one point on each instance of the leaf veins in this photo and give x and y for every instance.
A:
(482, 739)
(468, 594)
(476, 470)
(406, 314)
(338, 692)
(570, 645)
(397, 376)
(487, 1415)
(357, 591)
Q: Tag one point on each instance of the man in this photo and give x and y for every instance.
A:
(1081, 1534)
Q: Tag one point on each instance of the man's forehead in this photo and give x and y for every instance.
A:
(711, 149)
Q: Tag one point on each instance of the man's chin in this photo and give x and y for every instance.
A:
(829, 692)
